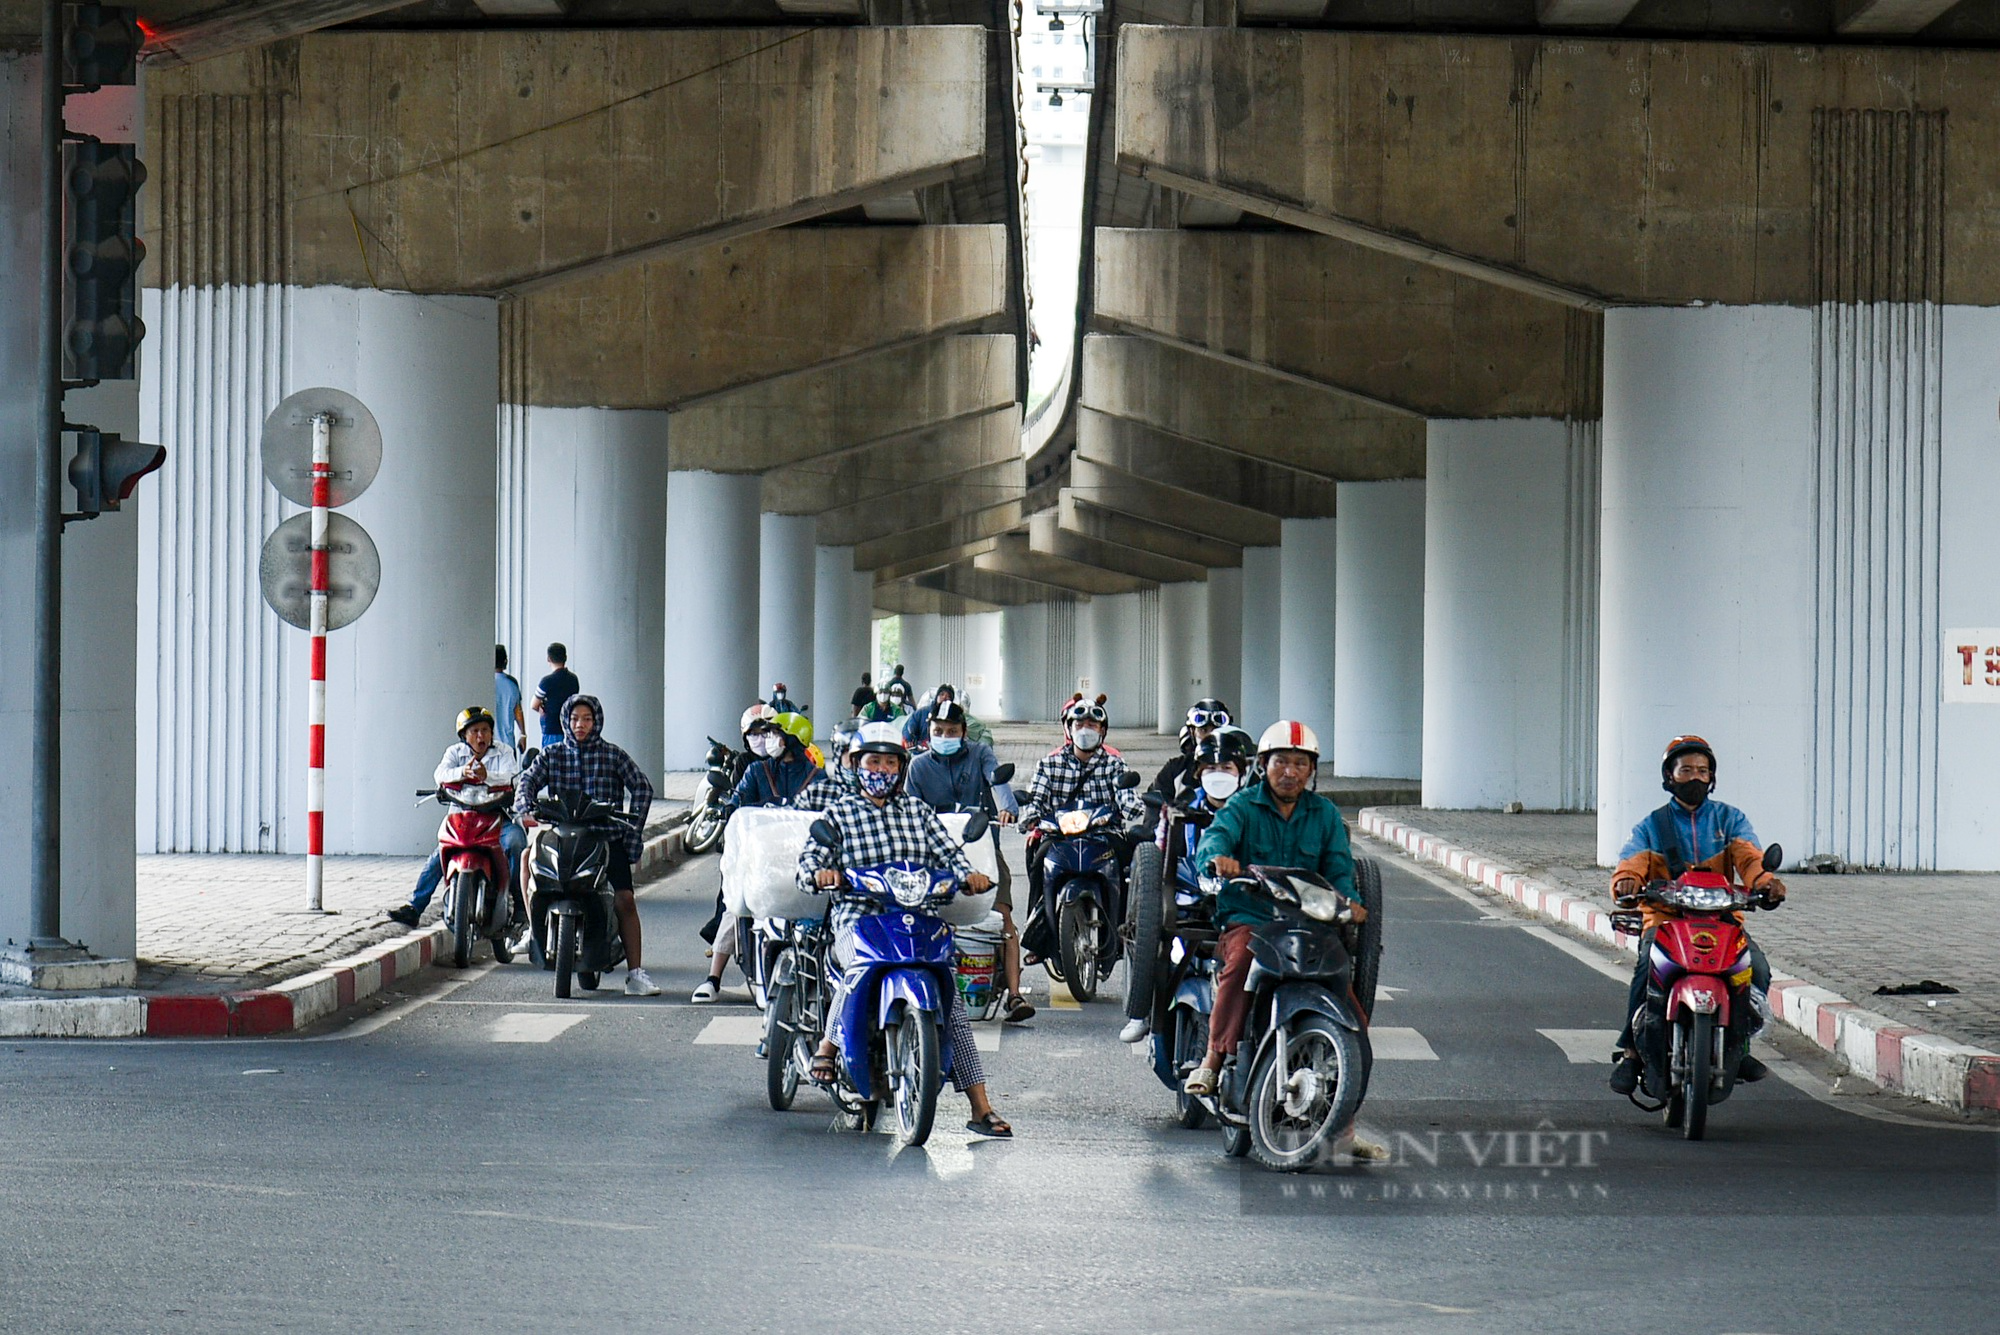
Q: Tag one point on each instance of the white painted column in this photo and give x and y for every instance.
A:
(1119, 639)
(710, 648)
(922, 652)
(1225, 635)
(1968, 815)
(20, 230)
(1509, 628)
(1306, 654)
(1024, 657)
(1263, 625)
(843, 602)
(1183, 659)
(983, 675)
(1378, 638)
(596, 506)
(788, 575)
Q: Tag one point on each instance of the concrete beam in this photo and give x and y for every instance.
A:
(248, 23)
(1015, 557)
(1390, 330)
(912, 599)
(922, 503)
(1585, 13)
(1882, 18)
(882, 471)
(1581, 171)
(985, 586)
(1249, 411)
(1135, 448)
(929, 539)
(1144, 498)
(917, 565)
(865, 403)
(663, 333)
(1046, 534)
(507, 159)
(1084, 516)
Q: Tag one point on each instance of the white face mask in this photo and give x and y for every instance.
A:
(1086, 739)
(1220, 785)
(766, 744)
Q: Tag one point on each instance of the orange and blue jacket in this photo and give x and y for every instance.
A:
(1713, 837)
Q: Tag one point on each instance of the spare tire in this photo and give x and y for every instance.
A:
(1143, 960)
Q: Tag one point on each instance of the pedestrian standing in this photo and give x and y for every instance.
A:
(863, 697)
(553, 692)
(510, 724)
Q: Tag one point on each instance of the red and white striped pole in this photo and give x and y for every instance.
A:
(322, 488)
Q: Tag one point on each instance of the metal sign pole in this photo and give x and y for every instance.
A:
(322, 487)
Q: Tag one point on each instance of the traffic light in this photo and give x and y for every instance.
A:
(107, 468)
(101, 327)
(100, 46)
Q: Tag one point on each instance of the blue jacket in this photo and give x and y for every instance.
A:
(944, 783)
(774, 783)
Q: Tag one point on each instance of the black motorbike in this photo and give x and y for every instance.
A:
(710, 808)
(1073, 925)
(574, 907)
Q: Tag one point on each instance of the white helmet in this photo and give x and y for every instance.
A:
(755, 714)
(1288, 735)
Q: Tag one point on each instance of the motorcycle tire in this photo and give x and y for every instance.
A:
(463, 933)
(565, 953)
(913, 1056)
(1190, 1043)
(1701, 1070)
(1287, 1138)
(588, 979)
(1148, 959)
(1368, 958)
(703, 830)
(1079, 961)
(502, 952)
(1235, 1140)
(781, 1067)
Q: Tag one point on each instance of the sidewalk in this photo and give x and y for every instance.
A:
(1830, 946)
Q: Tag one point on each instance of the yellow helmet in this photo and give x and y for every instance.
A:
(798, 725)
(470, 715)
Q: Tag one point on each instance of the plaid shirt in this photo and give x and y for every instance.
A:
(824, 791)
(1064, 781)
(904, 830)
(597, 768)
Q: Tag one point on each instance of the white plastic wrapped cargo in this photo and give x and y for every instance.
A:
(760, 863)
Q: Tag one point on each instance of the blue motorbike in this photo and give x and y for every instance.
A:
(1074, 925)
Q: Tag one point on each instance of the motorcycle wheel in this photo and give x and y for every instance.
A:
(589, 979)
(1076, 938)
(565, 953)
(1190, 1043)
(1291, 1127)
(703, 830)
(463, 889)
(1142, 970)
(1235, 1140)
(913, 1056)
(1368, 959)
(1701, 1068)
(781, 1068)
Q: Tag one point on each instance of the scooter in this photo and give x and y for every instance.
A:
(711, 797)
(1300, 1069)
(897, 992)
(1082, 897)
(1700, 980)
(571, 864)
(795, 1010)
(476, 902)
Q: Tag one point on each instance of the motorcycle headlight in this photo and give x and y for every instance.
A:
(1702, 897)
(910, 888)
(1318, 902)
(1073, 822)
(1212, 885)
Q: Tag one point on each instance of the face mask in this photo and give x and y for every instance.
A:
(1086, 739)
(877, 783)
(766, 745)
(1219, 784)
(947, 746)
(1692, 792)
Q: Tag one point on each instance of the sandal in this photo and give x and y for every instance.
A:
(824, 1069)
(991, 1125)
(1018, 1009)
(1200, 1083)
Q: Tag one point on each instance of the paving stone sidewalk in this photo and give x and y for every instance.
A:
(1850, 933)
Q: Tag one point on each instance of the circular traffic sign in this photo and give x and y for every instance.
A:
(288, 445)
(354, 570)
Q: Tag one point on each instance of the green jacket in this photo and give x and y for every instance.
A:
(1250, 830)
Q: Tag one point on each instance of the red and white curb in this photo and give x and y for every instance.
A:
(1896, 1056)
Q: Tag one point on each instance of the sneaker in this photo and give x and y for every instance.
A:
(1749, 1071)
(1625, 1075)
(405, 915)
(637, 984)
(1135, 1031)
(708, 991)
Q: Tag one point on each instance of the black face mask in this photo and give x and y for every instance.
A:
(1692, 792)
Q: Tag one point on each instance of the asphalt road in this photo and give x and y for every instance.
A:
(482, 1155)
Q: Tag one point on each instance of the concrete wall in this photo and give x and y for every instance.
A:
(1184, 648)
(1306, 655)
(1024, 656)
(1263, 630)
(1225, 635)
(841, 616)
(1969, 734)
(710, 647)
(1379, 631)
(788, 581)
(1119, 638)
(923, 651)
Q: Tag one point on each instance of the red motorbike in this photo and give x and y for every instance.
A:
(475, 872)
(1700, 979)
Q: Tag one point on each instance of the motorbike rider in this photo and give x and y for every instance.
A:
(1082, 772)
(584, 762)
(884, 708)
(480, 771)
(1220, 762)
(956, 774)
(1204, 717)
(838, 776)
(1703, 835)
(880, 821)
(781, 702)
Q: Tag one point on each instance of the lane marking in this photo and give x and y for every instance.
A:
(560, 1223)
(1383, 992)
(1391, 1044)
(986, 1037)
(1060, 999)
(532, 1026)
(1317, 1295)
(1583, 1047)
(737, 1031)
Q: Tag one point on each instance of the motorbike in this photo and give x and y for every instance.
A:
(476, 901)
(571, 863)
(795, 1009)
(1699, 982)
(1073, 926)
(710, 808)
(1300, 1069)
(897, 993)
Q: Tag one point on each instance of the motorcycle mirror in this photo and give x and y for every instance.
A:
(824, 833)
(1129, 779)
(1004, 773)
(976, 826)
(1774, 857)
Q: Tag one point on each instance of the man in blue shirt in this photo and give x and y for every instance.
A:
(509, 724)
(553, 692)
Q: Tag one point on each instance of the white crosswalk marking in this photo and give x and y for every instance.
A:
(1399, 1045)
(1583, 1047)
(533, 1026)
(741, 1031)
(1383, 992)
(986, 1037)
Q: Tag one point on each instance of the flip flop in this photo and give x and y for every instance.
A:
(992, 1125)
(825, 1070)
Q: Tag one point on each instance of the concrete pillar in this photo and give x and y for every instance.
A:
(1263, 624)
(1119, 640)
(710, 660)
(1509, 625)
(1378, 637)
(843, 602)
(1024, 663)
(1225, 635)
(596, 507)
(788, 574)
(922, 652)
(1183, 659)
(1306, 653)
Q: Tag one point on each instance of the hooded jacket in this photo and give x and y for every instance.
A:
(775, 782)
(594, 767)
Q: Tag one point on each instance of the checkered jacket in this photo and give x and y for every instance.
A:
(1065, 780)
(595, 767)
(903, 830)
(821, 792)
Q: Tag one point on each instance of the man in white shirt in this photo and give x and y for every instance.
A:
(480, 771)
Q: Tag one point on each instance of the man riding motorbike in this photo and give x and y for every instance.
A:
(888, 706)
(1204, 718)
(1082, 772)
(1702, 835)
(480, 771)
(838, 776)
(584, 762)
(881, 822)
